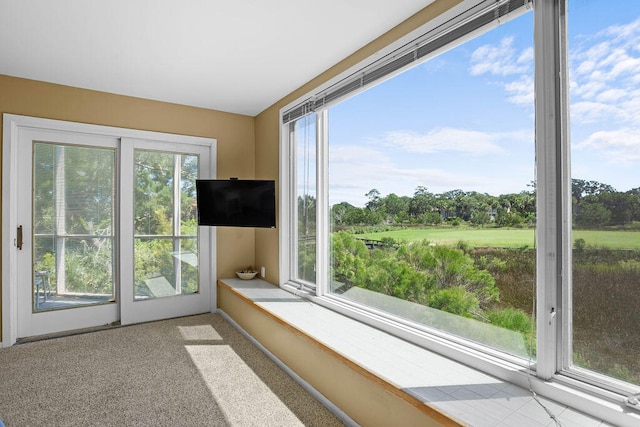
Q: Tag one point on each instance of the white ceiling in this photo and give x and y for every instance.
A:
(239, 56)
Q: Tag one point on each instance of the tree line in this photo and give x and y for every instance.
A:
(595, 205)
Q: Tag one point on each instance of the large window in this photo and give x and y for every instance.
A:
(431, 195)
(605, 194)
(445, 188)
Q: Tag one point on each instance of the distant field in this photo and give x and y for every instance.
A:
(504, 237)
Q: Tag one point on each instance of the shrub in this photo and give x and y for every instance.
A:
(512, 319)
(518, 321)
(455, 300)
(463, 246)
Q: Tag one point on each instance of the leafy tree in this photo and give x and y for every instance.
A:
(401, 218)
(445, 206)
(620, 205)
(508, 210)
(480, 218)
(374, 200)
(581, 188)
(355, 216)
(397, 208)
(592, 215)
(505, 218)
(430, 218)
(338, 212)
(422, 201)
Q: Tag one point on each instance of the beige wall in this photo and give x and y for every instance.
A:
(234, 133)
(267, 123)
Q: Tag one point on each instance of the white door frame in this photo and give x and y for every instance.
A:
(12, 126)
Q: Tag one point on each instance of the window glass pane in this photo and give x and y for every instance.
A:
(431, 192)
(188, 208)
(304, 139)
(166, 243)
(188, 258)
(73, 214)
(604, 58)
(154, 193)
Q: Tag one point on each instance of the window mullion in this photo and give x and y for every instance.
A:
(322, 204)
(552, 186)
(177, 220)
(293, 205)
(564, 352)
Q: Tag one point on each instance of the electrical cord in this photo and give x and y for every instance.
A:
(530, 365)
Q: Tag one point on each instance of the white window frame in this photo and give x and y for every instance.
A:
(552, 374)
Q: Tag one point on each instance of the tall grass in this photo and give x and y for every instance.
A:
(606, 298)
(606, 286)
(514, 271)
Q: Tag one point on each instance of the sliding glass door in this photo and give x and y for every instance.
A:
(160, 232)
(103, 227)
(67, 232)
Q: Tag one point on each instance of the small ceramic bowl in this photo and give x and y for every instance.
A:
(246, 275)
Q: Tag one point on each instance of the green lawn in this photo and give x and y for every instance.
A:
(505, 237)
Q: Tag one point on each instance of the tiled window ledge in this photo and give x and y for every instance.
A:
(465, 394)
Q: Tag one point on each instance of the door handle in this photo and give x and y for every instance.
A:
(19, 238)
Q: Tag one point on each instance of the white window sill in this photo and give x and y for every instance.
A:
(466, 394)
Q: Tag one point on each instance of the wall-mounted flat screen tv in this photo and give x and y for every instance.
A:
(236, 202)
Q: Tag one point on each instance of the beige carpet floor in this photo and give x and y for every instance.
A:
(192, 371)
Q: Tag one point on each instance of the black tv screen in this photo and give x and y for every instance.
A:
(236, 202)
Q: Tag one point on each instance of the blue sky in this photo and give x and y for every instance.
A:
(464, 120)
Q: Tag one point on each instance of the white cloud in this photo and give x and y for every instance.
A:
(588, 60)
(618, 146)
(355, 154)
(611, 95)
(500, 60)
(526, 57)
(605, 71)
(625, 65)
(521, 92)
(592, 112)
(626, 34)
(586, 67)
(632, 108)
(504, 60)
(354, 170)
(588, 90)
(445, 139)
